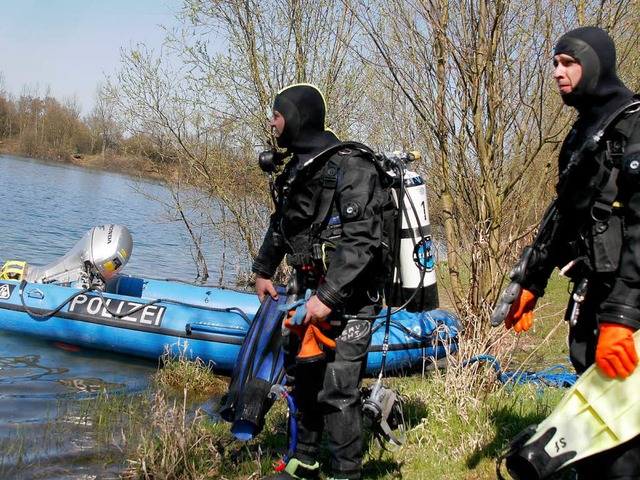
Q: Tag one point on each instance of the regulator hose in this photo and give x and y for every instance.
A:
(278, 390)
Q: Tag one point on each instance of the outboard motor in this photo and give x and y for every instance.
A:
(100, 254)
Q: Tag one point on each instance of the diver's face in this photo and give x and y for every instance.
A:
(277, 124)
(567, 73)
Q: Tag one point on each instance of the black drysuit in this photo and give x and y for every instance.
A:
(339, 257)
(598, 233)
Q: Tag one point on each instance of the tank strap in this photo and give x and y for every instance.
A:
(603, 206)
(605, 201)
(325, 199)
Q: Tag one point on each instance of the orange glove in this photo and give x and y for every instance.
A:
(616, 352)
(520, 315)
(301, 330)
(311, 336)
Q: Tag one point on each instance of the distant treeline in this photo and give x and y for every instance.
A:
(47, 128)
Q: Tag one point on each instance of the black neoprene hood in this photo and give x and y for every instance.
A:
(594, 49)
(303, 108)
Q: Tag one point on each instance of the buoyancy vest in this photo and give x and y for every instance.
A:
(408, 260)
(593, 203)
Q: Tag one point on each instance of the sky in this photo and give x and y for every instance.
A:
(70, 46)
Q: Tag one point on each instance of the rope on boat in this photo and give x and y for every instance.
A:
(50, 313)
(429, 336)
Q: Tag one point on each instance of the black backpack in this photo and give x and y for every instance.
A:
(392, 182)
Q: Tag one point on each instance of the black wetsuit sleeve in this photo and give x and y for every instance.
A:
(271, 253)
(553, 253)
(536, 281)
(359, 200)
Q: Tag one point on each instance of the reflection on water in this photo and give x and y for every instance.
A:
(20, 369)
(88, 387)
(47, 402)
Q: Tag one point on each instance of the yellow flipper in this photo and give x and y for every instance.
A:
(596, 414)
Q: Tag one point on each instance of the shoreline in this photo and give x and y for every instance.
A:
(132, 166)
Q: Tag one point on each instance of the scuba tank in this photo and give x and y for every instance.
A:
(412, 266)
(414, 277)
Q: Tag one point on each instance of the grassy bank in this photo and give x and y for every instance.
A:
(459, 415)
(459, 418)
(454, 432)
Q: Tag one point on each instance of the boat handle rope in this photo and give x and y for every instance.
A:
(133, 310)
(49, 313)
(175, 302)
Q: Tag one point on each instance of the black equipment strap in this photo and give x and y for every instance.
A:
(325, 199)
(603, 205)
(591, 144)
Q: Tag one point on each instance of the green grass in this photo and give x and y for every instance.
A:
(459, 418)
(452, 434)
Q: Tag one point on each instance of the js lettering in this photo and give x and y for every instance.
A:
(560, 444)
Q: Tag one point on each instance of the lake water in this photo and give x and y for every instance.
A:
(46, 209)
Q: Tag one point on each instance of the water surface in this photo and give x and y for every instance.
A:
(45, 389)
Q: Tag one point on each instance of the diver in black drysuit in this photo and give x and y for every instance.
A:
(597, 243)
(338, 258)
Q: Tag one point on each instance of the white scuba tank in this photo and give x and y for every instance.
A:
(415, 276)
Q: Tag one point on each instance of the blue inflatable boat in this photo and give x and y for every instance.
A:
(145, 317)
(83, 300)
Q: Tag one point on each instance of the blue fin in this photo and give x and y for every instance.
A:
(259, 365)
